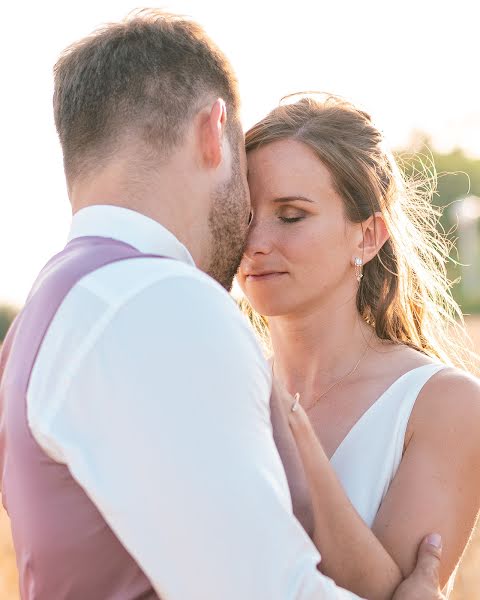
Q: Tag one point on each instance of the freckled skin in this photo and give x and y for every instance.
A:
(311, 242)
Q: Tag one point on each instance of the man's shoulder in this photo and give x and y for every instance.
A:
(155, 298)
(122, 281)
(165, 290)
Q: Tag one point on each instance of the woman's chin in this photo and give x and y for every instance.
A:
(268, 307)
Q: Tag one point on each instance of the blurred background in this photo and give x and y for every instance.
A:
(412, 65)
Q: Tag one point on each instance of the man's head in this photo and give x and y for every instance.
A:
(141, 112)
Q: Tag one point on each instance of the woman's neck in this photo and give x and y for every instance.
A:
(314, 349)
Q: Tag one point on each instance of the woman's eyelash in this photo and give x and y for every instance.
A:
(291, 219)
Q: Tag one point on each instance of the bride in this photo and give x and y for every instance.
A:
(346, 276)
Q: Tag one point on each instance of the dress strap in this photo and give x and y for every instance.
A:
(411, 385)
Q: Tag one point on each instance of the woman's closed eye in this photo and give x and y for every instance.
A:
(291, 216)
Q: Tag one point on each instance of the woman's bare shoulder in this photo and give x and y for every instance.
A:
(449, 404)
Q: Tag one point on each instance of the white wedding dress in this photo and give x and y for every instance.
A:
(368, 458)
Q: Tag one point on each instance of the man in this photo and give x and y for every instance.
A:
(136, 445)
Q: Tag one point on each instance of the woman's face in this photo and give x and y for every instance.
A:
(300, 247)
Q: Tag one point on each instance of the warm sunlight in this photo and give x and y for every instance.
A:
(335, 443)
(410, 64)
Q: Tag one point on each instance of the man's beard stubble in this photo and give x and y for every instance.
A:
(228, 224)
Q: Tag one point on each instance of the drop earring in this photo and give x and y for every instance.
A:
(358, 263)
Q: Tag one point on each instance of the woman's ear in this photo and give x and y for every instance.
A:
(374, 235)
(211, 133)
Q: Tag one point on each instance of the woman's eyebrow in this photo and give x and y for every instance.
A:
(291, 198)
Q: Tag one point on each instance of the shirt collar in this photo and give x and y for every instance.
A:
(130, 227)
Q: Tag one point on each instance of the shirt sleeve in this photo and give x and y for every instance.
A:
(165, 423)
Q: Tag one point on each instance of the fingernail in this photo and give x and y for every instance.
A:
(434, 539)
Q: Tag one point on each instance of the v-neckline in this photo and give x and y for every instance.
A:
(360, 419)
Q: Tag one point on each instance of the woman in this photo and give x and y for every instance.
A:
(344, 264)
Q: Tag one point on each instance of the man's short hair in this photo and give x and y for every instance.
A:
(146, 75)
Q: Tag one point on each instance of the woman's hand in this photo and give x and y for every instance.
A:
(339, 533)
(297, 418)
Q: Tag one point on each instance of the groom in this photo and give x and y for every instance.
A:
(136, 449)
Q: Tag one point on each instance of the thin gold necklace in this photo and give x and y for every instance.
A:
(323, 394)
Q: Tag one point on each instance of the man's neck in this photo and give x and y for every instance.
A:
(167, 198)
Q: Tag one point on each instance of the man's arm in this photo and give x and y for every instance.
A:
(164, 421)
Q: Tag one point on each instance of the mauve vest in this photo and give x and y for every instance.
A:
(64, 547)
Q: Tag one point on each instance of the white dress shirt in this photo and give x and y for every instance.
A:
(150, 386)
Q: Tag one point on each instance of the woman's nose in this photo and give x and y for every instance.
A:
(258, 239)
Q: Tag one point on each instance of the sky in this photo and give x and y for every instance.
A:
(413, 65)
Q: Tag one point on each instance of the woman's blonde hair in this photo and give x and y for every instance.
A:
(405, 292)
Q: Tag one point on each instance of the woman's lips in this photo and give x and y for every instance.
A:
(264, 276)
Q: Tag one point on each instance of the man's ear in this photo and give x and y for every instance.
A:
(212, 122)
(374, 234)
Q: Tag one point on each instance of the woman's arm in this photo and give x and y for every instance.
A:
(437, 488)
(438, 482)
(351, 554)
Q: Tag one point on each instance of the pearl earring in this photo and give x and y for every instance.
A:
(358, 262)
